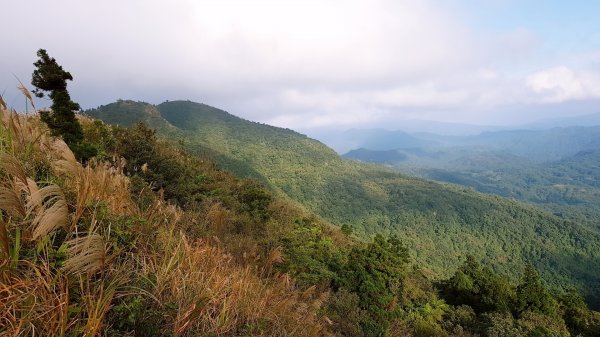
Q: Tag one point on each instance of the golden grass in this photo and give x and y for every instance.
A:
(216, 297)
(96, 301)
(11, 202)
(94, 184)
(34, 295)
(4, 244)
(36, 305)
(275, 257)
(26, 93)
(26, 134)
(13, 167)
(45, 208)
(216, 217)
(50, 209)
(87, 254)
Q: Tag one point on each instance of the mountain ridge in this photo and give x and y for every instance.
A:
(440, 223)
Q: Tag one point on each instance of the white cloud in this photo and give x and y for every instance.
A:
(291, 62)
(560, 84)
(487, 74)
(341, 43)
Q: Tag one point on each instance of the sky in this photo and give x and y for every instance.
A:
(311, 64)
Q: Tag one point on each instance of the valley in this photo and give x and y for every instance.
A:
(555, 169)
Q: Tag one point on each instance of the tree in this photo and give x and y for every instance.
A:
(375, 273)
(49, 78)
(532, 295)
(479, 288)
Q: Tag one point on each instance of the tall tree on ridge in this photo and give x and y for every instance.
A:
(49, 78)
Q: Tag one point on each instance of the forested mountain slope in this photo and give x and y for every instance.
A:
(144, 239)
(567, 187)
(439, 223)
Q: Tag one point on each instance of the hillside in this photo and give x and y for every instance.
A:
(146, 239)
(541, 145)
(383, 156)
(439, 223)
(178, 248)
(568, 187)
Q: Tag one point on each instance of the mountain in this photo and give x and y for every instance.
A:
(383, 156)
(582, 120)
(440, 223)
(408, 135)
(375, 139)
(555, 169)
(568, 187)
(131, 112)
(538, 145)
(146, 239)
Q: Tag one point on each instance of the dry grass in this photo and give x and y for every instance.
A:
(87, 254)
(96, 184)
(42, 210)
(26, 93)
(34, 294)
(36, 305)
(216, 297)
(4, 244)
(10, 201)
(26, 134)
(50, 208)
(96, 301)
(275, 257)
(216, 217)
(13, 167)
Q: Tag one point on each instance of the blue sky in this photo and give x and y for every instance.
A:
(318, 64)
(564, 26)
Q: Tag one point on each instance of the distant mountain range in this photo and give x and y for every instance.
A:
(555, 168)
(416, 133)
(540, 145)
(440, 223)
(583, 120)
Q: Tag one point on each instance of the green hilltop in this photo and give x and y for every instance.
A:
(439, 223)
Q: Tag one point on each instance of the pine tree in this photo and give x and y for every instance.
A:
(49, 78)
(532, 295)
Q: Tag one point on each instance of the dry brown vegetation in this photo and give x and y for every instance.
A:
(64, 265)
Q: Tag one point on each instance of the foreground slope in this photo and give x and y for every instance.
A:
(94, 250)
(440, 224)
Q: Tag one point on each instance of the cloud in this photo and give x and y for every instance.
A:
(289, 62)
(237, 53)
(330, 42)
(560, 84)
